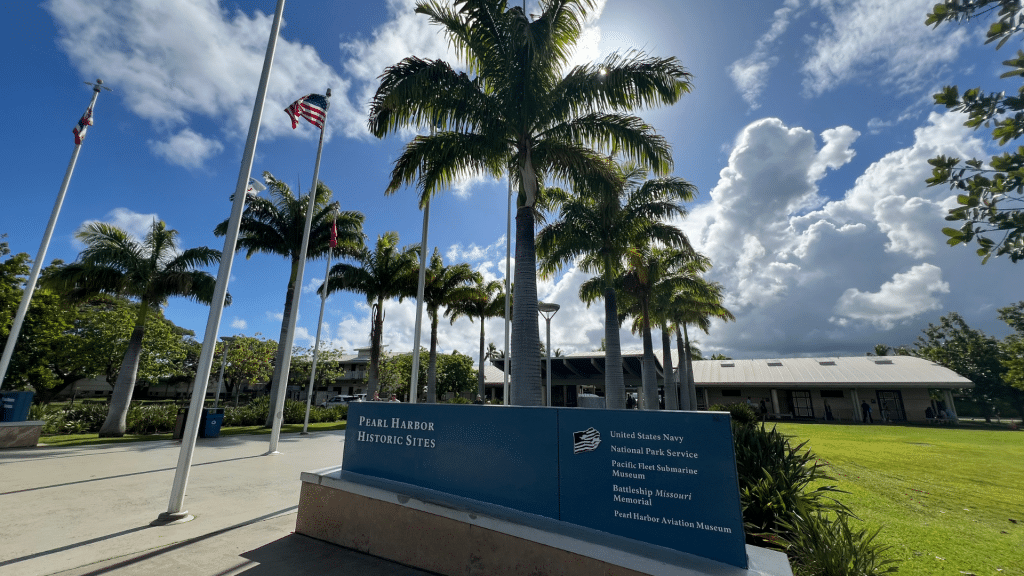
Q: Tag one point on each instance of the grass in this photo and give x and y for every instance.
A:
(944, 497)
(93, 439)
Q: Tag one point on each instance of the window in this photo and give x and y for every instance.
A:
(775, 363)
(730, 392)
(831, 393)
(827, 363)
(728, 364)
(883, 361)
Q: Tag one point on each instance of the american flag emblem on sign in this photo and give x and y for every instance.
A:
(312, 107)
(585, 441)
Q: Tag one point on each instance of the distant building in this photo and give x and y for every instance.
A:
(897, 388)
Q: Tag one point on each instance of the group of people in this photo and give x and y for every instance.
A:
(377, 398)
(942, 414)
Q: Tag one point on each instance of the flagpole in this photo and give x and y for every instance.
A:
(420, 288)
(316, 345)
(174, 512)
(30, 284)
(275, 431)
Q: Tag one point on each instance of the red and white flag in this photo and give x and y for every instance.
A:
(82, 126)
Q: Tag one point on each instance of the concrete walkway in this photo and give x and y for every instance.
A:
(87, 510)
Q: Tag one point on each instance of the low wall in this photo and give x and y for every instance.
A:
(456, 536)
(20, 434)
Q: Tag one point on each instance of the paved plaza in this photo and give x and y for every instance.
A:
(87, 510)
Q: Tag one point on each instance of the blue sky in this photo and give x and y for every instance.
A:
(807, 134)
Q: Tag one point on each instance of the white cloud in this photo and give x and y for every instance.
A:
(303, 335)
(312, 286)
(905, 296)
(809, 276)
(875, 125)
(750, 74)
(864, 36)
(279, 316)
(187, 149)
(239, 324)
(474, 253)
(178, 60)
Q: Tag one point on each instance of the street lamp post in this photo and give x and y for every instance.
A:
(548, 310)
(224, 360)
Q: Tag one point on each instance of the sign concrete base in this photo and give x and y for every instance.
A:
(20, 434)
(450, 535)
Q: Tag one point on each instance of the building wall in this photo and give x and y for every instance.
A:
(844, 408)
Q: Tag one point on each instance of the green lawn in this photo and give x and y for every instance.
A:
(91, 439)
(945, 497)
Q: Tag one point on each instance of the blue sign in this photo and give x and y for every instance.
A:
(665, 478)
(496, 455)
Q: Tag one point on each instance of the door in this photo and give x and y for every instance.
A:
(890, 406)
(802, 407)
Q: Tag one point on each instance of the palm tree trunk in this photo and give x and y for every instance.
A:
(432, 364)
(690, 385)
(116, 423)
(480, 372)
(649, 373)
(614, 381)
(671, 393)
(375, 337)
(282, 343)
(525, 384)
(684, 373)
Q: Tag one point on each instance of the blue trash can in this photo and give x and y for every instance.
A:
(213, 419)
(14, 406)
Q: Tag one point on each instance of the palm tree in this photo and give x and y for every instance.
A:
(519, 114)
(487, 301)
(696, 305)
(151, 271)
(596, 228)
(383, 273)
(663, 308)
(443, 286)
(276, 226)
(492, 350)
(648, 272)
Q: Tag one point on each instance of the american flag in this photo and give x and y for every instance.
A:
(82, 126)
(334, 233)
(585, 441)
(312, 107)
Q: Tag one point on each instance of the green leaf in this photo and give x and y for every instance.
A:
(952, 232)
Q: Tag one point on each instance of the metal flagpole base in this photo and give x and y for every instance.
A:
(168, 518)
(274, 453)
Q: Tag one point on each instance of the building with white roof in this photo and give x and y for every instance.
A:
(894, 388)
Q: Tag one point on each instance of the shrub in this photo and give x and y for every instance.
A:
(775, 479)
(823, 544)
(252, 414)
(151, 418)
(82, 419)
(255, 413)
(740, 412)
